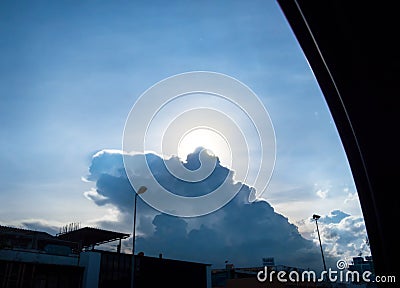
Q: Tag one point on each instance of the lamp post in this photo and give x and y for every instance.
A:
(316, 217)
(140, 191)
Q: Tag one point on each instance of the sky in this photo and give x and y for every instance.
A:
(71, 74)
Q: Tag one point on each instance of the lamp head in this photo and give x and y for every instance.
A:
(316, 217)
(142, 190)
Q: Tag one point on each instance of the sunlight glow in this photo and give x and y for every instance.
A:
(207, 138)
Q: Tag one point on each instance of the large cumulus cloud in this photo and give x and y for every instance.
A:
(344, 235)
(241, 232)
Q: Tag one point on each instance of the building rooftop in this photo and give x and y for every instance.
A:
(20, 231)
(90, 237)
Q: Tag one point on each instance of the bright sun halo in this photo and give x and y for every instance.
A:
(207, 138)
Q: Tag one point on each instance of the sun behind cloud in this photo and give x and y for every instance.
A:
(209, 139)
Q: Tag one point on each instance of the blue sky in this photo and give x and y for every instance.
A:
(71, 71)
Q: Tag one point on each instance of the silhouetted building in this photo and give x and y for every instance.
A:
(37, 259)
(361, 265)
(17, 238)
(69, 260)
(232, 277)
(89, 237)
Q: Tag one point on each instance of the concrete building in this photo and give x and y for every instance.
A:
(69, 260)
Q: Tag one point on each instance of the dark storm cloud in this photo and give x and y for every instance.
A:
(242, 232)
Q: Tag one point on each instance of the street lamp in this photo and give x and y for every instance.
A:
(140, 191)
(316, 217)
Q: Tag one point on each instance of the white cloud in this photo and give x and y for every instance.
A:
(322, 193)
(343, 235)
(93, 195)
(351, 197)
